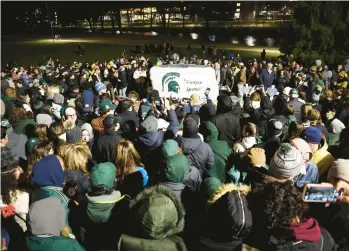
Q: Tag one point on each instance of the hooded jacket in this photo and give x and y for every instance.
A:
(228, 125)
(303, 236)
(157, 215)
(46, 229)
(104, 150)
(98, 220)
(228, 220)
(221, 149)
(198, 153)
(322, 158)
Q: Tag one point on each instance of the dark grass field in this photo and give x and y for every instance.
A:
(32, 50)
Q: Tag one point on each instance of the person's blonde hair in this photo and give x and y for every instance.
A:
(305, 109)
(75, 156)
(314, 117)
(256, 96)
(10, 92)
(195, 98)
(328, 94)
(127, 158)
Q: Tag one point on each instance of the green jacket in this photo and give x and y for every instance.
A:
(53, 243)
(221, 150)
(21, 125)
(158, 215)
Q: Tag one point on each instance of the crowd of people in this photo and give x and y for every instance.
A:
(94, 158)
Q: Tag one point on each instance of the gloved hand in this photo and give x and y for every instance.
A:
(257, 157)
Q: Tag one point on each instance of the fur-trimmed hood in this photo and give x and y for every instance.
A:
(157, 213)
(227, 188)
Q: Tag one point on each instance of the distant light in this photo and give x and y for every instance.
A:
(238, 4)
(153, 33)
(180, 35)
(269, 41)
(194, 36)
(117, 32)
(250, 41)
(237, 10)
(212, 38)
(234, 40)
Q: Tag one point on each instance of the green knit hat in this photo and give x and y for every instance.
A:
(170, 148)
(103, 174)
(176, 167)
(32, 143)
(210, 185)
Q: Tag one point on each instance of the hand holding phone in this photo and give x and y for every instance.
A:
(321, 193)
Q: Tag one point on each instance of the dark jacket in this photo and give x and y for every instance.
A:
(159, 217)
(303, 236)
(228, 125)
(227, 220)
(123, 79)
(98, 221)
(223, 75)
(260, 116)
(148, 143)
(267, 78)
(131, 185)
(270, 147)
(130, 117)
(104, 150)
(198, 153)
(221, 149)
(77, 179)
(297, 108)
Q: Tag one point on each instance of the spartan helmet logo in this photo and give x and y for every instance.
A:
(171, 80)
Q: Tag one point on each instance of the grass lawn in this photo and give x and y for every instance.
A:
(26, 51)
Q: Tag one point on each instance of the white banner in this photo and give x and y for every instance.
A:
(185, 80)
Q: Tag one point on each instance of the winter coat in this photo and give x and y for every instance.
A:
(303, 236)
(192, 179)
(130, 117)
(228, 125)
(297, 108)
(221, 149)
(98, 221)
(52, 243)
(223, 75)
(322, 158)
(123, 79)
(148, 143)
(22, 124)
(16, 144)
(266, 78)
(227, 220)
(104, 150)
(160, 216)
(132, 184)
(198, 153)
(260, 116)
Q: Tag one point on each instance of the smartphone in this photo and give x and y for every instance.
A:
(321, 193)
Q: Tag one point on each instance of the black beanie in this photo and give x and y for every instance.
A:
(190, 128)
